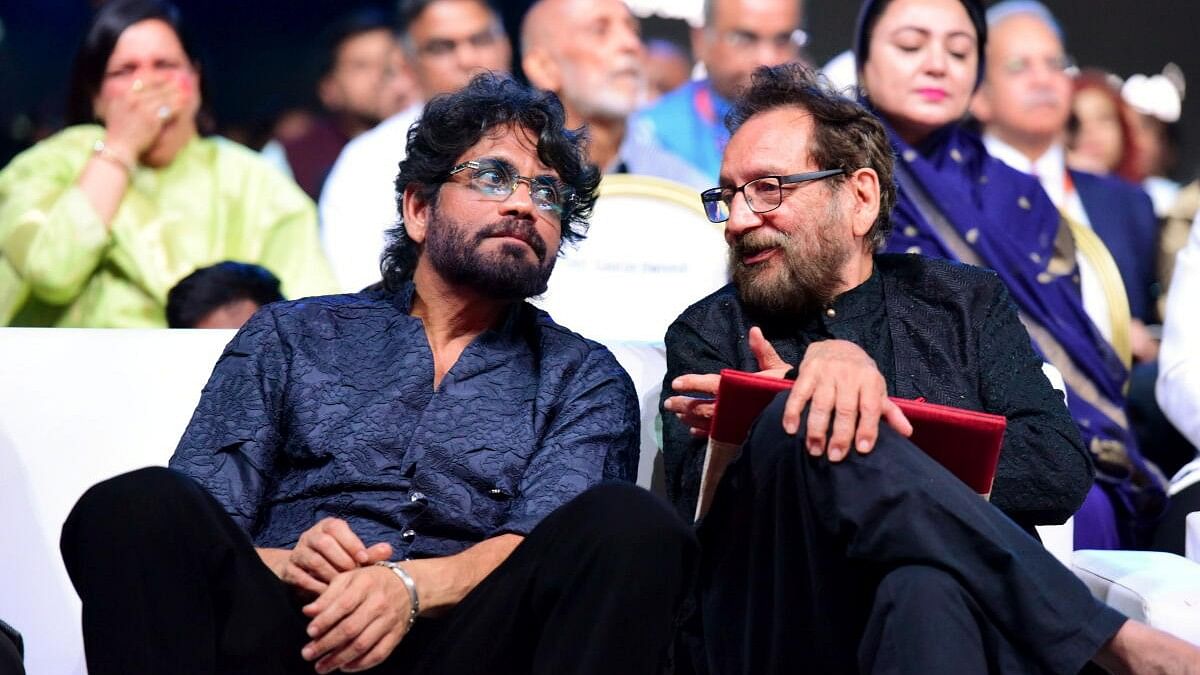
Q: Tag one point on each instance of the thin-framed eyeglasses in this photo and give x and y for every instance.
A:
(762, 194)
(496, 180)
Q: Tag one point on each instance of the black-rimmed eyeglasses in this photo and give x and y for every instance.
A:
(496, 180)
(762, 194)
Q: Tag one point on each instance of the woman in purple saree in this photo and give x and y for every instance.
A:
(919, 63)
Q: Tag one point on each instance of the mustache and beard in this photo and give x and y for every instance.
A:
(803, 277)
(1042, 97)
(506, 274)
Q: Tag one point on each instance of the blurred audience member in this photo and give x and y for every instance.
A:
(1024, 104)
(1099, 134)
(291, 125)
(737, 37)
(1174, 235)
(445, 43)
(1179, 380)
(224, 295)
(400, 89)
(98, 222)
(1157, 102)
(588, 53)
(668, 67)
(919, 62)
(356, 71)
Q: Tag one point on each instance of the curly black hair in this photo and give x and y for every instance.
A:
(845, 134)
(452, 123)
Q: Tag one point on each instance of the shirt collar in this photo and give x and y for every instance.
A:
(1050, 169)
(506, 328)
(865, 298)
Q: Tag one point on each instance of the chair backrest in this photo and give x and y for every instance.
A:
(650, 253)
(1093, 253)
(76, 407)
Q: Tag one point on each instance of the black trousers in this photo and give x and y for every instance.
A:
(884, 563)
(171, 585)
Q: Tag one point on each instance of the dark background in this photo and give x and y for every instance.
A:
(261, 56)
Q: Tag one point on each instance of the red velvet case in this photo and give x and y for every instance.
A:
(965, 442)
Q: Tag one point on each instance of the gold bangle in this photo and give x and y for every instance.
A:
(101, 150)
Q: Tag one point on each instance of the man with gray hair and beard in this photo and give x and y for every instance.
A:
(833, 544)
(588, 53)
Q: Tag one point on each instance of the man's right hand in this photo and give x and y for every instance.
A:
(324, 550)
(696, 411)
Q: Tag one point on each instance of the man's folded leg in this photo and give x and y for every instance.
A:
(170, 583)
(594, 588)
(795, 547)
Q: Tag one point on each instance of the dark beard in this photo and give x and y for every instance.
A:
(505, 275)
(806, 280)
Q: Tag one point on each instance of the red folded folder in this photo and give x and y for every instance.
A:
(966, 442)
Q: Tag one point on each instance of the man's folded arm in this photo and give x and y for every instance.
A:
(594, 436)
(688, 353)
(231, 444)
(1044, 471)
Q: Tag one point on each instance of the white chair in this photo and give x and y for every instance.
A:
(650, 253)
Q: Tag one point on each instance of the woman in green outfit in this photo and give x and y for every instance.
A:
(99, 221)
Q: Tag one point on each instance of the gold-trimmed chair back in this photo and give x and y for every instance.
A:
(650, 252)
(1096, 255)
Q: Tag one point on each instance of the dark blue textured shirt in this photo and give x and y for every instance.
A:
(326, 407)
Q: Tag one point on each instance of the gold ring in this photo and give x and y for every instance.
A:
(137, 85)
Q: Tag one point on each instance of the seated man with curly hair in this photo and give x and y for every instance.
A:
(439, 421)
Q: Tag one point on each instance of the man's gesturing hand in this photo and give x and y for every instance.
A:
(357, 621)
(843, 388)
(325, 550)
(696, 412)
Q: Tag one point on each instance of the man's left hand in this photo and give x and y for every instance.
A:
(844, 391)
(357, 621)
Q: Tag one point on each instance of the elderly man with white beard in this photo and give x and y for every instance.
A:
(589, 54)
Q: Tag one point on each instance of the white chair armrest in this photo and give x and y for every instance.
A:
(1059, 540)
(1192, 537)
(1161, 590)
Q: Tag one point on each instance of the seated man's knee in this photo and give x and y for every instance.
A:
(768, 437)
(140, 496)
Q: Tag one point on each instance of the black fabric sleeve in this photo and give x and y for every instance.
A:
(1044, 472)
(688, 352)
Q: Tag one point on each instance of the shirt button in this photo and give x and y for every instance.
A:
(831, 312)
(408, 535)
(417, 497)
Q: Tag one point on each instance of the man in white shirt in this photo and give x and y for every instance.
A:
(1024, 104)
(445, 43)
(1178, 387)
(589, 54)
(1179, 360)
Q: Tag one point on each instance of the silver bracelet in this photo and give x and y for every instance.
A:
(414, 602)
(101, 150)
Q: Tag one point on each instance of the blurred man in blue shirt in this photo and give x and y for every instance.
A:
(737, 37)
